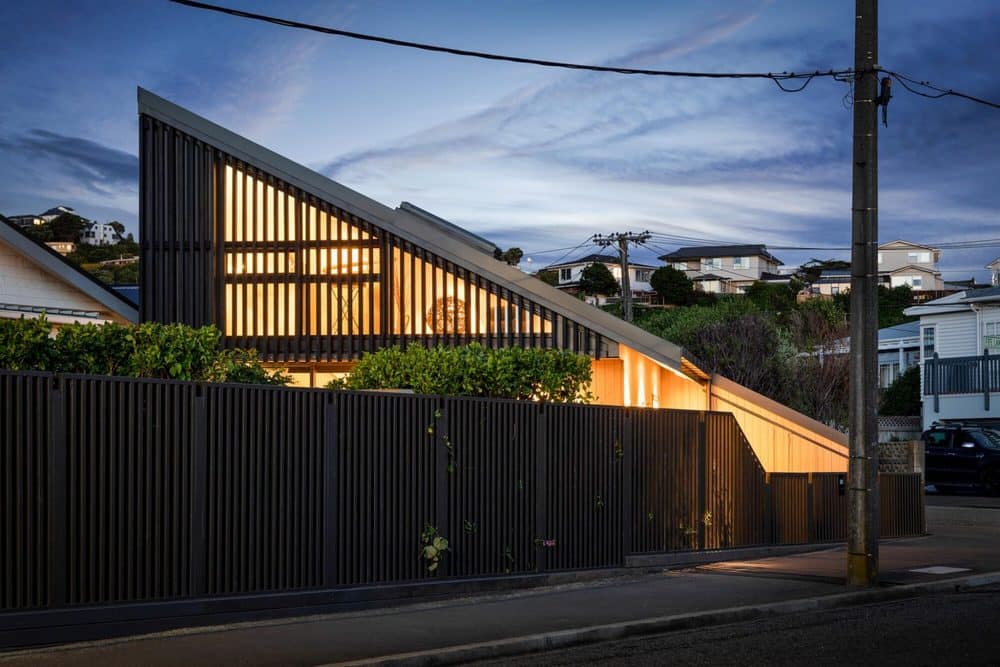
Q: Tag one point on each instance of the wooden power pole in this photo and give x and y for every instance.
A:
(862, 478)
(622, 240)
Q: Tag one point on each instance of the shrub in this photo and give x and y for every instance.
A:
(903, 396)
(474, 370)
(148, 350)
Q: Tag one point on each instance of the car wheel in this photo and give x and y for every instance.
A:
(991, 478)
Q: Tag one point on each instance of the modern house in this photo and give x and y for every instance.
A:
(906, 263)
(35, 279)
(62, 247)
(723, 269)
(313, 274)
(569, 274)
(960, 356)
(41, 218)
(100, 233)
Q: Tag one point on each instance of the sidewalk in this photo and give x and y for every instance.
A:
(966, 541)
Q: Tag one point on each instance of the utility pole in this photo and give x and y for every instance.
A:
(622, 239)
(862, 478)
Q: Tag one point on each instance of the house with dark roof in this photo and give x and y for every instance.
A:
(35, 279)
(569, 274)
(723, 269)
(313, 274)
(959, 348)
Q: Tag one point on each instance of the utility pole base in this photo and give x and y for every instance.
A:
(862, 570)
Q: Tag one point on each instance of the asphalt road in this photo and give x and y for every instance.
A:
(952, 629)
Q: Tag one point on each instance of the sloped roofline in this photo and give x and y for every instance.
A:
(909, 243)
(55, 264)
(417, 228)
(915, 267)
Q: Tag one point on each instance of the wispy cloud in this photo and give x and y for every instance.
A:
(89, 164)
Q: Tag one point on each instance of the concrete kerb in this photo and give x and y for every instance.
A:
(600, 633)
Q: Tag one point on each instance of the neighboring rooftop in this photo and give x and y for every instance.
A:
(599, 259)
(697, 252)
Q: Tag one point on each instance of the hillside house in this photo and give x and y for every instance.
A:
(569, 275)
(313, 274)
(912, 264)
(723, 269)
(35, 279)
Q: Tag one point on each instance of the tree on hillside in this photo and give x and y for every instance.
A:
(903, 396)
(891, 303)
(511, 255)
(548, 276)
(810, 271)
(67, 227)
(773, 298)
(672, 286)
(598, 279)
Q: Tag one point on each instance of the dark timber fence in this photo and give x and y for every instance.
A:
(116, 490)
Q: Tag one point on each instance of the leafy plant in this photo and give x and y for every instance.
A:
(474, 370)
(434, 547)
(149, 350)
(598, 279)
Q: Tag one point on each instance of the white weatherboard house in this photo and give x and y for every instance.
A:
(569, 273)
(960, 356)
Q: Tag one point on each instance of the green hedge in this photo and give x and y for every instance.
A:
(474, 370)
(148, 350)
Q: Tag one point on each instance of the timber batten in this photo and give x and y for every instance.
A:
(299, 278)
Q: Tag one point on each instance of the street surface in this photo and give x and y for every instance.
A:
(952, 629)
(944, 629)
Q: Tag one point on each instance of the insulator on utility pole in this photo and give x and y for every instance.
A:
(621, 240)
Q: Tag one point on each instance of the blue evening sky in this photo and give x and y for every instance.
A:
(525, 156)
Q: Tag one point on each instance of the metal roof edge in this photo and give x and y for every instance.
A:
(55, 264)
(277, 165)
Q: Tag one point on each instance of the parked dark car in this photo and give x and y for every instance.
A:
(962, 456)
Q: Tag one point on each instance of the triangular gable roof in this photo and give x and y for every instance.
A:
(900, 242)
(598, 258)
(56, 265)
(420, 229)
(914, 267)
(698, 252)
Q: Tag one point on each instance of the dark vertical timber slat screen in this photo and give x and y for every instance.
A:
(265, 489)
(734, 512)
(130, 466)
(491, 482)
(584, 486)
(24, 462)
(664, 486)
(789, 502)
(101, 480)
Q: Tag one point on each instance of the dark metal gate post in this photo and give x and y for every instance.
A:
(768, 510)
(199, 494)
(331, 426)
(58, 499)
(541, 488)
(702, 482)
(810, 509)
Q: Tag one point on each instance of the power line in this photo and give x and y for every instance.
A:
(435, 48)
(588, 241)
(939, 92)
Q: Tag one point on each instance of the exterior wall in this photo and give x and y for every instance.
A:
(758, 265)
(960, 406)
(897, 256)
(99, 233)
(917, 280)
(23, 283)
(955, 334)
(829, 289)
(616, 270)
(782, 439)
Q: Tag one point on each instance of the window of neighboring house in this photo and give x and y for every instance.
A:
(927, 348)
(991, 336)
(917, 282)
(918, 257)
(887, 373)
(741, 263)
(642, 275)
(711, 263)
(565, 275)
(680, 266)
(834, 289)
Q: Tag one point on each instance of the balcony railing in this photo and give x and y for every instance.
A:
(962, 375)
